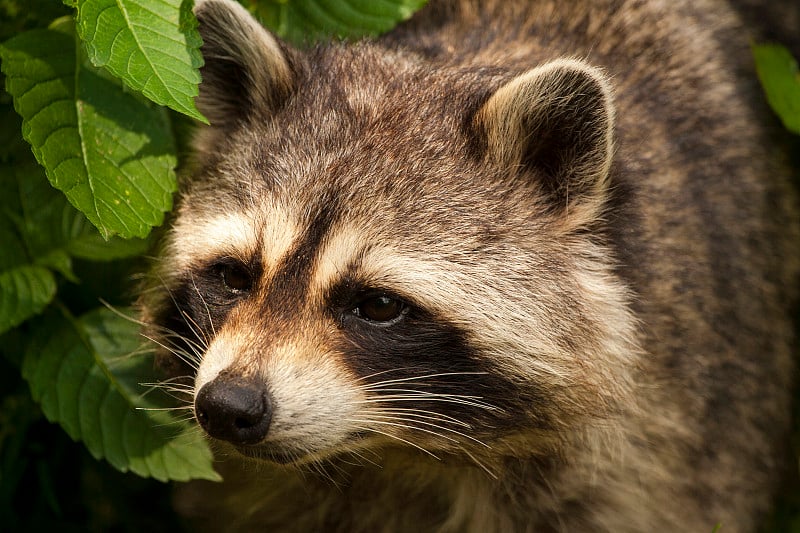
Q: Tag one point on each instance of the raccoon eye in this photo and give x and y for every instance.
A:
(381, 309)
(235, 277)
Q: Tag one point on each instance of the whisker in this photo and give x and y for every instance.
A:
(181, 354)
(419, 396)
(318, 466)
(176, 421)
(410, 417)
(196, 329)
(197, 348)
(121, 314)
(169, 388)
(362, 457)
(414, 421)
(480, 464)
(427, 393)
(138, 352)
(178, 408)
(417, 378)
(176, 380)
(176, 394)
(166, 386)
(406, 426)
(389, 435)
(382, 372)
(432, 415)
(208, 311)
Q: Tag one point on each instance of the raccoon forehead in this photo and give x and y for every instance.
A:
(264, 232)
(374, 116)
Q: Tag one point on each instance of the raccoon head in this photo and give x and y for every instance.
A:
(375, 251)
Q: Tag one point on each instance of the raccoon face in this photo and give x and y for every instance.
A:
(373, 252)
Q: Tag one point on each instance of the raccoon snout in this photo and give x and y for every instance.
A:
(234, 409)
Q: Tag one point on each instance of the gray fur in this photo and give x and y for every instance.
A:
(584, 197)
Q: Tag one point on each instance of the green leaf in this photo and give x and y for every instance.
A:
(86, 373)
(347, 19)
(90, 245)
(14, 252)
(11, 141)
(25, 289)
(780, 77)
(53, 231)
(110, 152)
(153, 46)
(11, 242)
(19, 15)
(24, 292)
(52, 225)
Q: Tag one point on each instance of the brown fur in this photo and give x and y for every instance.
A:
(582, 209)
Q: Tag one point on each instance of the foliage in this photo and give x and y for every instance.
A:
(153, 47)
(780, 77)
(299, 22)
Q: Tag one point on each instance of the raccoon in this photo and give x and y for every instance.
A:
(514, 266)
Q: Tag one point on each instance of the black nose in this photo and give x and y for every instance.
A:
(234, 408)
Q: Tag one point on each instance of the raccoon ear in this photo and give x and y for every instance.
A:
(558, 120)
(246, 70)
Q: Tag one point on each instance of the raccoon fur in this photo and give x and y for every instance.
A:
(514, 266)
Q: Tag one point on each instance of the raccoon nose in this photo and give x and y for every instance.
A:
(234, 409)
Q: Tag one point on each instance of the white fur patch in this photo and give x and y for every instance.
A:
(220, 355)
(339, 250)
(237, 234)
(226, 234)
(312, 396)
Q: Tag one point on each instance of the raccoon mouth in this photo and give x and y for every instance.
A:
(292, 457)
(271, 455)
